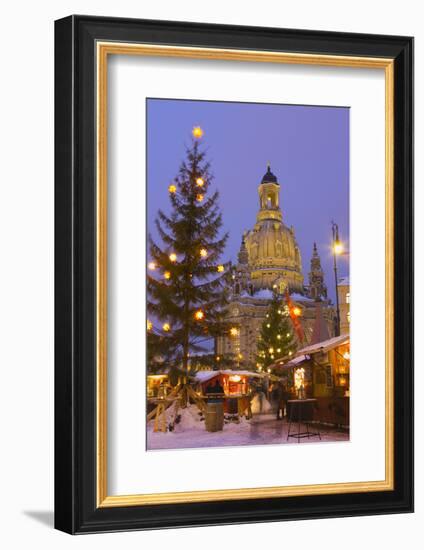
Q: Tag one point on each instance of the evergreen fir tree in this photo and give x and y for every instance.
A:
(276, 339)
(186, 282)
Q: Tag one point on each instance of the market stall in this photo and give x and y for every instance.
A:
(238, 388)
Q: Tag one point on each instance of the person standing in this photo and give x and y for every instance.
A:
(279, 400)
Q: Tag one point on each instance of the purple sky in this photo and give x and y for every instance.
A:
(307, 146)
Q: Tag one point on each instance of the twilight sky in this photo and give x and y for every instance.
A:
(307, 146)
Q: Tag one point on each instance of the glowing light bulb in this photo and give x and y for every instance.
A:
(173, 257)
(200, 182)
(297, 311)
(199, 197)
(197, 132)
(271, 350)
(166, 327)
(172, 188)
(338, 247)
(203, 252)
(268, 325)
(233, 331)
(278, 336)
(220, 268)
(167, 275)
(199, 315)
(151, 266)
(149, 325)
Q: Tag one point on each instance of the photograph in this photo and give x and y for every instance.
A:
(247, 274)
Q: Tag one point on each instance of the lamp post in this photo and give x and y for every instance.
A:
(337, 249)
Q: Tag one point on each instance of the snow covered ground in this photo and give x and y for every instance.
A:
(263, 429)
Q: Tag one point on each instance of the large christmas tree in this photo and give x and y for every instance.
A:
(276, 339)
(186, 281)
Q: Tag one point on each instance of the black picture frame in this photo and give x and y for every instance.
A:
(76, 510)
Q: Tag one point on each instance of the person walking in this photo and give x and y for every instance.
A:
(278, 393)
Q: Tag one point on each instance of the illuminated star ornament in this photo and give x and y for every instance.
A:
(197, 132)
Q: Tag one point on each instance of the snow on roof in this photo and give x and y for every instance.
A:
(204, 376)
(325, 345)
(300, 297)
(264, 293)
(343, 281)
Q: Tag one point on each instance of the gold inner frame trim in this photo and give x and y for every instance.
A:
(104, 49)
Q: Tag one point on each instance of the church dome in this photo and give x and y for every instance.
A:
(269, 177)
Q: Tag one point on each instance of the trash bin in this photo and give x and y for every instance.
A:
(214, 417)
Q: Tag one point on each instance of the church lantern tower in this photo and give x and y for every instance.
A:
(317, 287)
(273, 253)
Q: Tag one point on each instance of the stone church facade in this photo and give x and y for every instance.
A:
(270, 260)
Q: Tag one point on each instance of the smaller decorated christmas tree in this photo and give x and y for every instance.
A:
(276, 339)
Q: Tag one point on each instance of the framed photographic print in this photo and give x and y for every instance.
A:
(234, 274)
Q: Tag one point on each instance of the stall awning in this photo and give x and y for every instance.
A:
(289, 364)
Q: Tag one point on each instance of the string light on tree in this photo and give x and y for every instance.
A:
(173, 257)
(203, 252)
(199, 315)
(220, 269)
(166, 327)
(167, 275)
(149, 325)
(151, 266)
(200, 182)
(197, 132)
(172, 188)
(199, 197)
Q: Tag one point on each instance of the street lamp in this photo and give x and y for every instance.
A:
(337, 249)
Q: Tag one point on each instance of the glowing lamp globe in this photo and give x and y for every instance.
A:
(338, 247)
